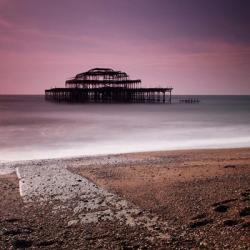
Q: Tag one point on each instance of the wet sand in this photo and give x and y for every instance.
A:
(196, 199)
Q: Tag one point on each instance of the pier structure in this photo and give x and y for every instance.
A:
(104, 85)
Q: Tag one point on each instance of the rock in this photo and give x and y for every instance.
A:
(245, 211)
(199, 216)
(200, 223)
(245, 194)
(246, 225)
(229, 166)
(221, 208)
(203, 244)
(223, 202)
(11, 220)
(46, 243)
(22, 243)
(27, 230)
(12, 232)
(230, 222)
(72, 222)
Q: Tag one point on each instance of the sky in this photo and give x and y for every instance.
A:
(194, 46)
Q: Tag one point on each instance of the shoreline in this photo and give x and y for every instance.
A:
(94, 156)
(178, 199)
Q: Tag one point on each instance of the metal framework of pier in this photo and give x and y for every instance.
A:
(103, 85)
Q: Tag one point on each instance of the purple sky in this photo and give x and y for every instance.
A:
(195, 46)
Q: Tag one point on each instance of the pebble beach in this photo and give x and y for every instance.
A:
(197, 199)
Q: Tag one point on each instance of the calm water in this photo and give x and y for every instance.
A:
(31, 128)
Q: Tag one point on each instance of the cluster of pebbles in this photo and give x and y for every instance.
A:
(87, 202)
(224, 217)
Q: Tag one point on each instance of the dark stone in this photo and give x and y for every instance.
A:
(221, 208)
(12, 232)
(27, 230)
(199, 216)
(46, 243)
(200, 223)
(11, 220)
(245, 194)
(229, 166)
(22, 243)
(246, 225)
(223, 202)
(230, 222)
(246, 199)
(245, 211)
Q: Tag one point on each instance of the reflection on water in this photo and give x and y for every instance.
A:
(31, 128)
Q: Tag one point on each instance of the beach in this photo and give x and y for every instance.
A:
(185, 199)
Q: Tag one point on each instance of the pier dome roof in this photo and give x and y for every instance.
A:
(105, 72)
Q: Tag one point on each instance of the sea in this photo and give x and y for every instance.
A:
(32, 128)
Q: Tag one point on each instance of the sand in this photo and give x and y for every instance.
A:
(155, 200)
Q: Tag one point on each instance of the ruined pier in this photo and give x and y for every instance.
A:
(102, 85)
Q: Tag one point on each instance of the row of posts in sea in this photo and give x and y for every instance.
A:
(190, 100)
(109, 95)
